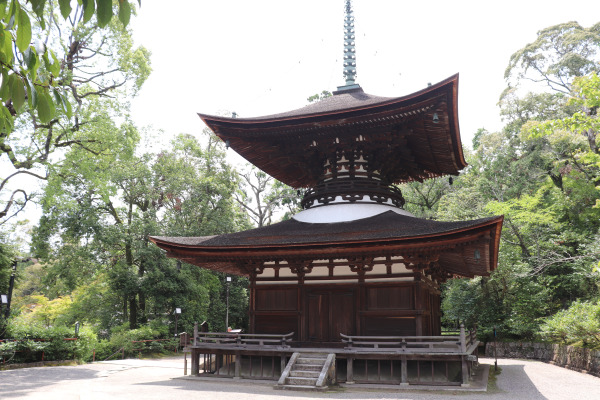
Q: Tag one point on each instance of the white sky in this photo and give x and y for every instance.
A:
(266, 56)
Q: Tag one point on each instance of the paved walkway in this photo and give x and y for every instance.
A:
(154, 379)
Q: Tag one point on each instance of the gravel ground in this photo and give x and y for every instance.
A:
(154, 379)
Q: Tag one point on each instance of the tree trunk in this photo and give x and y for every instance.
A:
(141, 294)
(133, 324)
(557, 180)
(591, 137)
(124, 308)
(524, 250)
(142, 307)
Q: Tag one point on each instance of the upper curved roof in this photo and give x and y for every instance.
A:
(346, 100)
(412, 137)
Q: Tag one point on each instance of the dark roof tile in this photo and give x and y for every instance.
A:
(388, 225)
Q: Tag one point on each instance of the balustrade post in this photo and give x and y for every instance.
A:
(195, 333)
(463, 341)
(404, 365)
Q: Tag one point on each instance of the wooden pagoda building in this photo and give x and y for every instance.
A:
(352, 263)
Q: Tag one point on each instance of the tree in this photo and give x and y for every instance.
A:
(262, 197)
(319, 96)
(196, 187)
(422, 198)
(6, 259)
(52, 89)
(559, 54)
(98, 217)
(541, 173)
(20, 59)
(566, 59)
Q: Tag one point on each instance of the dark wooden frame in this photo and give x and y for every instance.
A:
(229, 350)
(415, 301)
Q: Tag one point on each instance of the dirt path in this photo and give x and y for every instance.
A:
(154, 379)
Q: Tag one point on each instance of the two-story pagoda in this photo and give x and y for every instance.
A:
(353, 262)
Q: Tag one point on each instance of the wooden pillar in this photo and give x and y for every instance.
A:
(217, 362)
(195, 362)
(301, 306)
(238, 366)
(418, 304)
(252, 304)
(404, 371)
(463, 357)
(465, 371)
(349, 370)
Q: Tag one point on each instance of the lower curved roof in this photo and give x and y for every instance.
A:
(466, 248)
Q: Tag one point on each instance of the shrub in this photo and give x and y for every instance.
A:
(35, 342)
(579, 324)
(133, 342)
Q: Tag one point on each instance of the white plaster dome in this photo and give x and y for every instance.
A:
(343, 212)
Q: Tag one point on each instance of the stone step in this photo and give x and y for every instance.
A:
(297, 380)
(305, 374)
(314, 355)
(301, 387)
(307, 367)
(310, 360)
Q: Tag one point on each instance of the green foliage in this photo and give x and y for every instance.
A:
(146, 340)
(560, 53)
(319, 96)
(56, 74)
(460, 303)
(99, 214)
(24, 20)
(6, 258)
(39, 310)
(509, 300)
(27, 342)
(542, 173)
(422, 199)
(579, 324)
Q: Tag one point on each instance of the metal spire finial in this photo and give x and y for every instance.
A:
(349, 50)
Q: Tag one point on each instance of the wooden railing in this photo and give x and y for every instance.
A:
(460, 344)
(243, 340)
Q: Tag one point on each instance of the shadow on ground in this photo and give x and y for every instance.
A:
(17, 382)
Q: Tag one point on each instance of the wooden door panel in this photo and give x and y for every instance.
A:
(276, 299)
(318, 317)
(342, 315)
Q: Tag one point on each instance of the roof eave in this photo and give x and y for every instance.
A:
(422, 243)
(450, 83)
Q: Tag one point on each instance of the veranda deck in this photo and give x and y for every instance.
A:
(404, 360)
